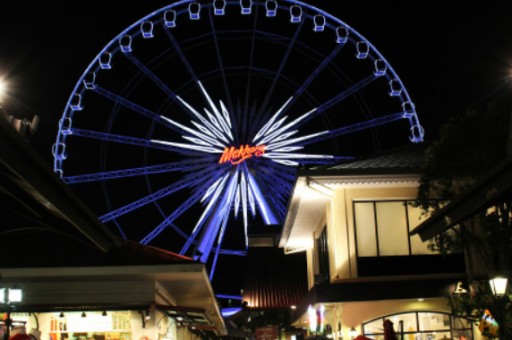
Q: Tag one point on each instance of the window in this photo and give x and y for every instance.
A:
(422, 326)
(322, 272)
(382, 229)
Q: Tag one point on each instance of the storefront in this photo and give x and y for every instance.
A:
(151, 302)
(103, 325)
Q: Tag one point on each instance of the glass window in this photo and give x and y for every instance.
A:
(392, 229)
(408, 320)
(374, 327)
(383, 229)
(422, 326)
(433, 321)
(418, 247)
(365, 229)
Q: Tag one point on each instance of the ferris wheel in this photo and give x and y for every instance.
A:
(187, 129)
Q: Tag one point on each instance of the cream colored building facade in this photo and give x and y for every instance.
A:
(354, 226)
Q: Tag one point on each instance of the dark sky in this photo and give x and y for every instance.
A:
(449, 56)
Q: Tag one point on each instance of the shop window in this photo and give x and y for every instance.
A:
(421, 326)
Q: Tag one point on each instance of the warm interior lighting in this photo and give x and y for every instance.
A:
(498, 285)
(11, 295)
(352, 333)
(3, 89)
(15, 295)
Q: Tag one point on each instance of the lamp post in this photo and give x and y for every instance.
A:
(9, 297)
(501, 304)
(498, 286)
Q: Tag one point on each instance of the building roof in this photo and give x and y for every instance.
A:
(405, 159)
(37, 207)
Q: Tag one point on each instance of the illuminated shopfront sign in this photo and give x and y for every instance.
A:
(242, 153)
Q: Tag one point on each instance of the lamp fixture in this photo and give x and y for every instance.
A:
(84, 315)
(498, 285)
(352, 333)
(61, 315)
(104, 313)
(11, 295)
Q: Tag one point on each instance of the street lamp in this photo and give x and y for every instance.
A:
(498, 285)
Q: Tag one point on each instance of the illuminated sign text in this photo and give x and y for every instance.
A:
(238, 155)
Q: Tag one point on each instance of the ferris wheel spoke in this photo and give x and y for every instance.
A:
(357, 127)
(213, 193)
(277, 189)
(250, 64)
(187, 204)
(166, 191)
(216, 220)
(133, 106)
(345, 94)
(317, 71)
(219, 243)
(265, 208)
(263, 109)
(159, 82)
(279, 184)
(110, 137)
(140, 171)
(182, 56)
(218, 54)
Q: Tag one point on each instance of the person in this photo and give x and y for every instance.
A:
(19, 333)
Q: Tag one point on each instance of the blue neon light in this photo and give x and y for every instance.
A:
(257, 187)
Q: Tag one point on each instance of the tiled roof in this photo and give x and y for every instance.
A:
(410, 158)
(273, 279)
(134, 253)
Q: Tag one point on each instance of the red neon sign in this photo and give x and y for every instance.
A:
(238, 155)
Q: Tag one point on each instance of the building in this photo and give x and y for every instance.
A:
(78, 281)
(354, 223)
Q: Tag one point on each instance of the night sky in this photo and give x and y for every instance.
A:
(450, 57)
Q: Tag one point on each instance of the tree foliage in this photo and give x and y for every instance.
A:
(468, 147)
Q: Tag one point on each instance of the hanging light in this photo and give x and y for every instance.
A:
(498, 285)
(84, 315)
(352, 333)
